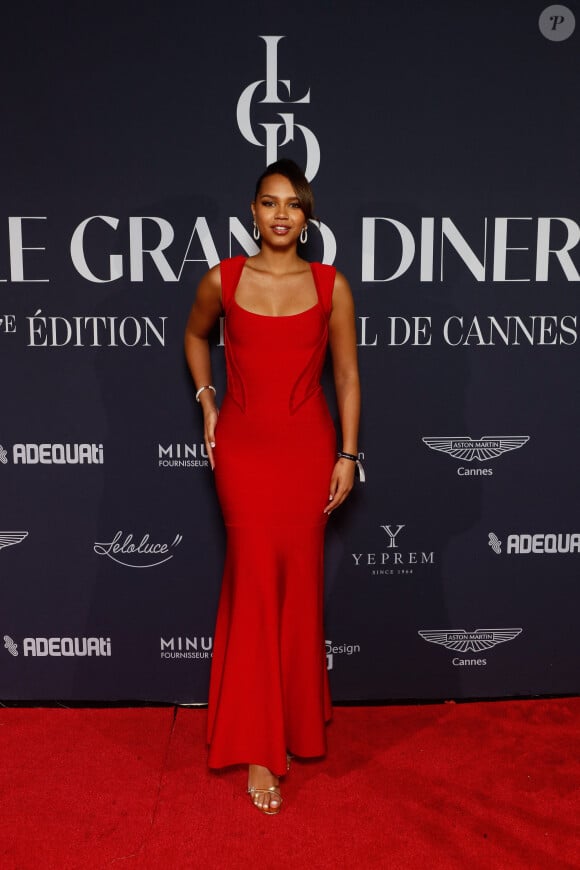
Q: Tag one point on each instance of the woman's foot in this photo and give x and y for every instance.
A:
(264, 789)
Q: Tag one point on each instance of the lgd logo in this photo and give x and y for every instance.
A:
(271, 97)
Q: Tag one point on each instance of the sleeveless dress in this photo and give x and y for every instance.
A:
(274, 455)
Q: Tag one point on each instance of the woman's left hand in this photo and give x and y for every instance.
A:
(341, 483)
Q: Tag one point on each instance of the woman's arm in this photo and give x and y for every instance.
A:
(342, 340)
(204, 313)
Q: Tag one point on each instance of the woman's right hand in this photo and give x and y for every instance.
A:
(210, 418)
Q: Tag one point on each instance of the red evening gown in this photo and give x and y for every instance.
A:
(274, 455)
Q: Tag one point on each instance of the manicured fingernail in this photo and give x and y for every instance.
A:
(212, 443)
(330, 498)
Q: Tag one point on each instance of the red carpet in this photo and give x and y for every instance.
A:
(481, 785)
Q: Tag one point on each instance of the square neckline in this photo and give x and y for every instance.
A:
(277, 316)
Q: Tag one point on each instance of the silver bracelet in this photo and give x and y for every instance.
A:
(205, 387)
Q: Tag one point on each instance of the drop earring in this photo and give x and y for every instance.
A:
(304, 235)
(256, 232)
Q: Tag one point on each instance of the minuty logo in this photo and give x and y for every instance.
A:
(466, 641)
(145, 554)
(9, 539)
(271, 96)
(186, 647)
(182, 455)
(484, 449)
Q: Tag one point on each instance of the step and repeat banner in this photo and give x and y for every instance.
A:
(442, 144)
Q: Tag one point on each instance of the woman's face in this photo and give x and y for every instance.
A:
(277, 212)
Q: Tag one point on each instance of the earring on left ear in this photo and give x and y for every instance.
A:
(304, 235)
(256, 232)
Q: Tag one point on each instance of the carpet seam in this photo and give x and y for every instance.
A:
(162, 771)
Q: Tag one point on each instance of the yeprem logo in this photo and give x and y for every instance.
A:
(393, 560)
(464, 641)
(494, 543)
(271, 97)
(3, 456)
(10, 645)
(9, 539)
(145, 554)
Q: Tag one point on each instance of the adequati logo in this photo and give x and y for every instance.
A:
(182, 456)
(10, 539)
(145, 554)
(54, 454)
(340, 649)
(69, 647)
(466, 641)
(546, 543)
(10, 645)
(186, 647)
(393, 560)
(484, 449)
(270, 140)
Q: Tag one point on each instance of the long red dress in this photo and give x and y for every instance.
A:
(274, 455)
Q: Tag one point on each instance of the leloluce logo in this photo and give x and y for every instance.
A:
(476, 641)
(393, 559)
(124, 550)
(10, 539)
(484, 449)
(272, 87)
(536, 543)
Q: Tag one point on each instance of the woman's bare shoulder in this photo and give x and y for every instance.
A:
(341, 287)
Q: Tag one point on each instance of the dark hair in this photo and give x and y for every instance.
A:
(297, 179)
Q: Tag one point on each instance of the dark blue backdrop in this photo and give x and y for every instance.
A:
(442, 144)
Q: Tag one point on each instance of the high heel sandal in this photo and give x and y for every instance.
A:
(274, 790)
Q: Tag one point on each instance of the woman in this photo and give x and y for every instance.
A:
(278, 479)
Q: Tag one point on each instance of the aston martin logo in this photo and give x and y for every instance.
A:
(462, 641)
(483, 449)
(8, 539)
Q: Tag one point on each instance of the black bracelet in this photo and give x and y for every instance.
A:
(350, 456)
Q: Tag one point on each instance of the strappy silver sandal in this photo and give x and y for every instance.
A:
(273, 790)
